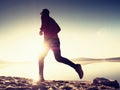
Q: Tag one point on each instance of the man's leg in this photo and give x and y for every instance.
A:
(41, 63)
(59, 58)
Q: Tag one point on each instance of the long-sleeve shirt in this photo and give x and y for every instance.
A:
(49, 27)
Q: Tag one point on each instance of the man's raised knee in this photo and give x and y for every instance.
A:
(58, 58)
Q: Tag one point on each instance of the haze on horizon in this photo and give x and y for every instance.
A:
(90, 28)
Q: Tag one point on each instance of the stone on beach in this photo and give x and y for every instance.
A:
(107, 82)
(17, 83)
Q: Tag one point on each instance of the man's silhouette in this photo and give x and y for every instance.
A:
(50, 29)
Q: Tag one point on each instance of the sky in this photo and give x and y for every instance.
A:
(90, 28)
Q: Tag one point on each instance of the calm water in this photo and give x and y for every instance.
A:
(57, 71)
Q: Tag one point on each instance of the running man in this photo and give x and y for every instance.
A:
(50, 29)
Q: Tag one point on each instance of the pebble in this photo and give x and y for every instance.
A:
(19, 83)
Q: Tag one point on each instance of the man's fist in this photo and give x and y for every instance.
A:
(41, 33)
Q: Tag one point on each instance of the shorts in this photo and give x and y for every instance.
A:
(52, 43)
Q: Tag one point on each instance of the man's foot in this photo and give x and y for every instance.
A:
(40, 80)
(79, 70)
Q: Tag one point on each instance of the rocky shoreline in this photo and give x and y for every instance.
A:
(19, 83)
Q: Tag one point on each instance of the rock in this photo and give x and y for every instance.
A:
(106, 82)
(115, 84)
(93, 88)
(17, 83)
(66, 88)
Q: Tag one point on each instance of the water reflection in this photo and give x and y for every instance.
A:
(58, 71)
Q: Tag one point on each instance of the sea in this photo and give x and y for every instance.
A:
(59, 71)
